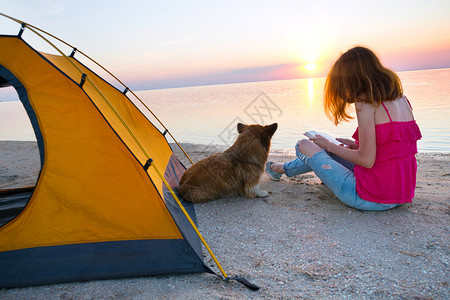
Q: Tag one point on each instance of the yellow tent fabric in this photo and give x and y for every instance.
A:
(100, 163)
(148, 136)
(92, 187)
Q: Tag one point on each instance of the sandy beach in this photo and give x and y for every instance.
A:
(299, 243)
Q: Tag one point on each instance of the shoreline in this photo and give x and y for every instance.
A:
(197, 146)
(300, 242)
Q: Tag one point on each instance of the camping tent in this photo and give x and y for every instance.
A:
(104, 205)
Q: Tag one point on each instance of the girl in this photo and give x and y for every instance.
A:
(377, 170)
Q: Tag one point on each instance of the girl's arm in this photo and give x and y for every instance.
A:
(365, 154)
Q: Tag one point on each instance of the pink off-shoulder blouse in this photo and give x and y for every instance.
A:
(392, 179)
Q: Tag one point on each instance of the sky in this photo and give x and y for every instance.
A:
(165, 44)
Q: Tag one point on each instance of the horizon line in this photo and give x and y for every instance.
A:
(263, 80)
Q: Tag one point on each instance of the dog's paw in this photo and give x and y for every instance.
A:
(255, 192)
(261, 194)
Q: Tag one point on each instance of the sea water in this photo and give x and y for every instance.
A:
(209, 114)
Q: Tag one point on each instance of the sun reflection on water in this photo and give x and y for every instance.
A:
(311, 91)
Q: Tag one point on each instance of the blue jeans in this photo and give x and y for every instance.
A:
(337, 174)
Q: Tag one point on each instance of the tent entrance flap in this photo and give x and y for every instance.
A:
(4, 82)
(12, 203)
(12, 80)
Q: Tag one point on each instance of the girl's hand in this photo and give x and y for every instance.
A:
(348, 143)
(322, 142)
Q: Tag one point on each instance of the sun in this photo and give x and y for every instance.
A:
(310, 66)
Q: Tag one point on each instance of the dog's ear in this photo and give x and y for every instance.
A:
(241, 128)
(270, 129)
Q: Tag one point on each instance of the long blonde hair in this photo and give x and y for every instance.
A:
(358, 76)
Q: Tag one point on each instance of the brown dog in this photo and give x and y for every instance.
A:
(234, 172)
